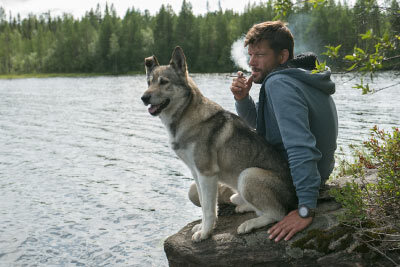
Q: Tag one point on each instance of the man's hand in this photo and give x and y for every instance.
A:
(289, 226)
(241, 86)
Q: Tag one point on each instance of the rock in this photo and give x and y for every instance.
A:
(323, 243)
(226, 248)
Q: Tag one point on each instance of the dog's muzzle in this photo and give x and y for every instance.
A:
(154, 109)
(146, 99)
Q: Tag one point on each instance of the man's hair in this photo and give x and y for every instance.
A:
(276, 33)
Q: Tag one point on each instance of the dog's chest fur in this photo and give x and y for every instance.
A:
(187, 136)
(177, 133)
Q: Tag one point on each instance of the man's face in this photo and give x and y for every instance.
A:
(262, 60)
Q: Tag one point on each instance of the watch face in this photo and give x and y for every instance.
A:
(303, 211)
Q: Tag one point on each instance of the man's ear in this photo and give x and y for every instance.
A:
(150, 63)
(283, 56)
(178, 60)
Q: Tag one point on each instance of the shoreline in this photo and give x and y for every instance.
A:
(62, 75)
(130, 73)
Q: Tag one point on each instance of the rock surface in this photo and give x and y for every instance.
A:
(308, 248)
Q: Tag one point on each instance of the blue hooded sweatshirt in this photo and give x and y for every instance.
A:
(301, 122)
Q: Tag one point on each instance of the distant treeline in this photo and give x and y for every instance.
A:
(103, 42)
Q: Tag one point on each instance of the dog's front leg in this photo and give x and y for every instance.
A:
(208, 190)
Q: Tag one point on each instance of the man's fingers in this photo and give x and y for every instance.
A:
(281, 235)
(275, 230)
(291, 234)
(271, 230)
(240, 87)
(238, 93)
(240, 82)
(288, 227)
(249, 81)
(282, 232)
(275, 227)
(236, 89)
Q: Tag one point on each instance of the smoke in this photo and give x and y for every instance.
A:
(306, 37)
(239, 54)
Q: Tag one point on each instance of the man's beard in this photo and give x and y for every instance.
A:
(262, 76)
(265, 73)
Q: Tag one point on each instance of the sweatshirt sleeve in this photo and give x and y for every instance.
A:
(246, 109)
(291, 113)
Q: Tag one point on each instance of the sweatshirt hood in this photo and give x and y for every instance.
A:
(300, 68)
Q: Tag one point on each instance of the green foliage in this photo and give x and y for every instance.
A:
(319, 67)
(103, 42)
(282, 8)
(317, 3)
(377, 51)
(363, 87)
(163, 32)
(333, 51)
(373, 200)
(373, 61)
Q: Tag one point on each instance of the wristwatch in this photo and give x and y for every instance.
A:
(306, 212)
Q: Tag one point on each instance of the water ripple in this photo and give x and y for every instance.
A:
(87, 177)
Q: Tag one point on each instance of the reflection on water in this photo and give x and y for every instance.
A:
(87, 176)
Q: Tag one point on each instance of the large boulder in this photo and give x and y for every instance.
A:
(324, 243)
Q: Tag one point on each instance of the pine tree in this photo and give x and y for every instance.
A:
(163, 33)
(185, 33)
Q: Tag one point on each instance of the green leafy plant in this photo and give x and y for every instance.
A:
(364, 88)
(372, 202)
(373, 61)
(282, 8)
(370, 59)
(332, 51)
(319, 67)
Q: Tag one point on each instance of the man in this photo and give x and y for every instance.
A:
(295, 113)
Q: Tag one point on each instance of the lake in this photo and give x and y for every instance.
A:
(87, 177)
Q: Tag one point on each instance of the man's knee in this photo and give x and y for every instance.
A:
(194, 195)
(224, 194)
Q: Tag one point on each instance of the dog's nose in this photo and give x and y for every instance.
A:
(146, 99)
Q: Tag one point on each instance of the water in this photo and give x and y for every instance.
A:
(87, 177)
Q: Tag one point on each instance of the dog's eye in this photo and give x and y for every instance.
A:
(163, 80)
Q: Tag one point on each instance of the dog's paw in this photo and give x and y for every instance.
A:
(255, 223)
(196, 228)
(200, 236)
(243, 208)
(245, 227)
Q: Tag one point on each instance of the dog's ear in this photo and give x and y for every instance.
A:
(178, 60)
(150, 63)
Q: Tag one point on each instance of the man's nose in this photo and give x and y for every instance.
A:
(251, 61)
(146, 99)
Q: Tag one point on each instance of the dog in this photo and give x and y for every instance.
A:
(219, 148)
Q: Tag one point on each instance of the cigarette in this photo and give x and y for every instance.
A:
(236, 76)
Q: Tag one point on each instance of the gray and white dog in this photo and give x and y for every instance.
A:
(218, 147)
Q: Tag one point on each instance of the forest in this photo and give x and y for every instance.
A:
(103, 42)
